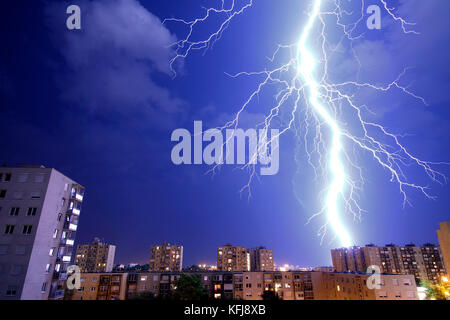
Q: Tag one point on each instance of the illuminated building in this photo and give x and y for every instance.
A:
(261, 259)
(423, 262)
(95, 257)
(166, 257)
(233, 258)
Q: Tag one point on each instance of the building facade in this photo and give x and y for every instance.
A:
(261, 259)
(444, 242)
(101, 286)
(425, 262)
(166, 257)
(95, 257)
(292, 285)
(39, 212)
(233, 258)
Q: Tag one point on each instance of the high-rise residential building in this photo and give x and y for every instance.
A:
(95, 257)
(166, 257)
(444, 241)
(425, 262)
(261, 259)
(233, 258)
(39, 212)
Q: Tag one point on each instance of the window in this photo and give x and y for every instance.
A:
(44, 287)
(11, 291)
(395, 282)
(20, 249)
(3, 248)
(31, 211)
(406, 282)
(55, 233)
(2, 193)
(398, 294)
(14, 211)
(5, 177)
(383, 294)
(18, 195)
(9, 229)
(27, 229)
(51, 252)
(48, 267)
(93, 288)
(410, 294)
(59, 216)
(39, 178)
(23, 177)
(35, 195)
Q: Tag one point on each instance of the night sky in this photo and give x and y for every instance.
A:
(100, 105)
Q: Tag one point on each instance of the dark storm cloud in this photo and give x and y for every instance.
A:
(113, 60)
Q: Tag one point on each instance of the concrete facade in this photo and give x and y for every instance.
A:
(444, 241)
(40, 208)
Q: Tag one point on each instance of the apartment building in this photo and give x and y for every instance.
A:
(292, 285)
(444, 242)
(101, 286)
(233, 258)
(166, 257)
(423, 262)
(353, 286)
(261, 259)
(95, 257)
(39, 212)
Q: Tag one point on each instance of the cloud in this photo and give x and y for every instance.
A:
(113, 61)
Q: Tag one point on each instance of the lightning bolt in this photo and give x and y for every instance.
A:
(304, 81)
(306, 69)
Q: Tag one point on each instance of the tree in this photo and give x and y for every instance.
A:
(438, 291)
(270, 295)
(189, 287)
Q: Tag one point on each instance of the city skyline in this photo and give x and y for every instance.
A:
(116, 143)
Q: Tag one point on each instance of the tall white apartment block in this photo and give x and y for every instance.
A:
(39, 212)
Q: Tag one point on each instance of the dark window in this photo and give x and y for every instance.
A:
(14, 211)
(27, 229)
(31, 211)
(11, 291)
(2, 193)
(8, 177)
(9, 229)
